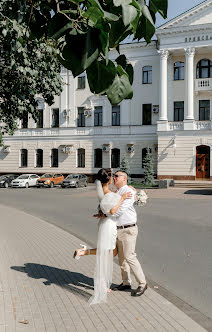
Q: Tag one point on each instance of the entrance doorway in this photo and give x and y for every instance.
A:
(203, 162)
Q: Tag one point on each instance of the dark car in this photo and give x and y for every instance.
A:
(75, 180)
(5, 180)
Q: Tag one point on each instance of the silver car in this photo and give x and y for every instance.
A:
(75, 180)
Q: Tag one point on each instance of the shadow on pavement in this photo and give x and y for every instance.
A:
(63, 278)
(198, 192)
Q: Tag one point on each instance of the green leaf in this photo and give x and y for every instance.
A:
(80, 51)
(129, 14)
(118, 3)
(100, 76)
(57, 23)
(94, 14)
(119, 90)
(145, 30)
(108, 15)
(160, 6)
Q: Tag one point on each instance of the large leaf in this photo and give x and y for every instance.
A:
(145, 29)
(100, 76)
(118, 33)
(119, 90)
(108, 15)
(122, 61)
(159, 6)
(129, 14)
(94, 14)
(80, 51)
(57, 24)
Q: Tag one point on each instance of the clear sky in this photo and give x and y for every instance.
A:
(177, 7)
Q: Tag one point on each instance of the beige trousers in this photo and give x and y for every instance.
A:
(126, 241)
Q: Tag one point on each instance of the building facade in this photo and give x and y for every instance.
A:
(170, 113)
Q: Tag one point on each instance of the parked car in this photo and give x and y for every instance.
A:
(25, 181)
(49, 180)
(5, 180)
(75, 180)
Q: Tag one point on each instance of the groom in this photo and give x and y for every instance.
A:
(126, 219)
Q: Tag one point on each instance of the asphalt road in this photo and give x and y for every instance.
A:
(175, 234)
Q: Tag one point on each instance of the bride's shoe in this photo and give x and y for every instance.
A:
(76, 256)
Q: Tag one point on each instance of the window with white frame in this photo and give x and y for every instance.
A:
(24, 158)
(147, 75)
(81, 81)
(178, 71)
(147, 114)
(204, 110)
(204, 68)
(98, 116)
(115, 158)
(55, 117)
(39, 122)
(98, 158)
(39, 158)
(81, 158)
(81, 117)
(178, 110)
(54, 158)
(116, 115)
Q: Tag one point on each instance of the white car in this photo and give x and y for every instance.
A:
(25, 181)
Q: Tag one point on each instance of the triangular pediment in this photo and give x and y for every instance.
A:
(198, 15)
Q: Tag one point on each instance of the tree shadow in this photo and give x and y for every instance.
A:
(71, 281)
(198, 192)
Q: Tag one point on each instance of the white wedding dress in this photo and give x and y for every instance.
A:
(106, 242)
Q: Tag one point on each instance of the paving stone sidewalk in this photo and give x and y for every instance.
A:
(43, 289)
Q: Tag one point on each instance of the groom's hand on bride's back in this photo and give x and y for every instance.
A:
(99, 215)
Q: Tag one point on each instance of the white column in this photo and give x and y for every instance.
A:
(163, 84)
(189, 83)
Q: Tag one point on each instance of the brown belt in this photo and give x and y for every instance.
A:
(126, 226)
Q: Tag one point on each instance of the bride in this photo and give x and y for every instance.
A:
(107, 233)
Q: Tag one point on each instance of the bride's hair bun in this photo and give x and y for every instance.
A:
(104, 175)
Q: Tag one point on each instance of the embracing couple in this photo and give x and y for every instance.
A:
(116, 235)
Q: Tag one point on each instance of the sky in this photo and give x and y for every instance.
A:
(177, 7)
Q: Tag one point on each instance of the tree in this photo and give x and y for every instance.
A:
(81, 33)
(125, 167)
(148, 169)
(28, 67)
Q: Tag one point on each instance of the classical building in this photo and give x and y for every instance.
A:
(170, 112)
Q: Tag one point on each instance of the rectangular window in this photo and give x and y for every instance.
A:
(98, 116)
(204, 110)
(40, 119)
(98, 158)
(54, 158)
(24, 121)
(81, 81)
(55, 117)
(147, 114)
(178, 110)
(81, 157)
(24, 158)
(81, 117)
(115, 115)
(147, 75)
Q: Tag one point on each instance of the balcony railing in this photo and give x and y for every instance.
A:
(203, 125)
(176, 125)
(203, 84)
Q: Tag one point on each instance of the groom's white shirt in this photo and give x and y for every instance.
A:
(126, 214)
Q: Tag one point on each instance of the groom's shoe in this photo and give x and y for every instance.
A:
(140, 290)
(121, 287)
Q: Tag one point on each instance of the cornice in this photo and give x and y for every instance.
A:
(188, 14)
(138, 45)
(182, 29)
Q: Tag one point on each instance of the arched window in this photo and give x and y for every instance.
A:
(98, 158)
(115, 158)
(81, 158)
(204, 68)
(178, 71)
(144, 153)
(24, 157)
(54, 158)
(147, 75)
(39, 158)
